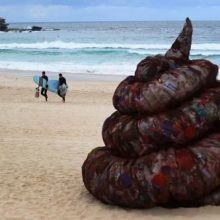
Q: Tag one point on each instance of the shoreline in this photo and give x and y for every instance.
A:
(69, 76)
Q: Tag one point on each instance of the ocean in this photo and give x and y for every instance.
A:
(113, 48)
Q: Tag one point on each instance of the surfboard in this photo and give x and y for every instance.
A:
(52, 84)
(63, 90)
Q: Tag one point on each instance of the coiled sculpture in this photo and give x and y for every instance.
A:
(163, 142)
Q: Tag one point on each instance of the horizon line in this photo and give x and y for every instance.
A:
(11, 22)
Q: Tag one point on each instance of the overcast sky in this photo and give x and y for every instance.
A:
(108, 10)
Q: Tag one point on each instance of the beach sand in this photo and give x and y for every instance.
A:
(43, 146)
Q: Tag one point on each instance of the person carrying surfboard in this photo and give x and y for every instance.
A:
(62, 88)
(44, 90)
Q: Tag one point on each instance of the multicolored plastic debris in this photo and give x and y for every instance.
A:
(163, 142)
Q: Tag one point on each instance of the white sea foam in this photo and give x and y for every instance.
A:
(119, 69)
(72, 45)
(71, 68)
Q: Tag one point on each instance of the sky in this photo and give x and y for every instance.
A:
(108, 10)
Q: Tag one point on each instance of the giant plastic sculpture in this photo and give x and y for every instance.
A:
(163, 142)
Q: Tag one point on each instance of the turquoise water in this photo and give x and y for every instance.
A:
(100, 47)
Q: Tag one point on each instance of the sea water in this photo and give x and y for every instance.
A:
(113, 48)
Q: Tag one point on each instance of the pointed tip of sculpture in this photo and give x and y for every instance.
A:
(180, 49)
(188, 20)
(188, 23)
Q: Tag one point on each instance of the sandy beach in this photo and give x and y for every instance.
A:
(43, 146)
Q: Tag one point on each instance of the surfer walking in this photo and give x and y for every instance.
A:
(44, 90)
(62, 87)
